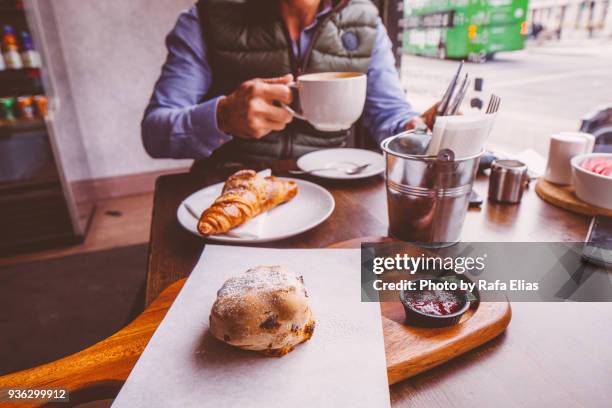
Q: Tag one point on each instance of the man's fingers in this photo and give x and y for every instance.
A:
(414, 123)
(274, 125)
(432, 109)
(264, 117)
(276, 92)
(264, 127)
(285, 79)
(429, 116)
(266, 110)
(279, 115)
(276, 89)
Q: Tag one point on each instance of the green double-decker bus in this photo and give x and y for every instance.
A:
(464, 29)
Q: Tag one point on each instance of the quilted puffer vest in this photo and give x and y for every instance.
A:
(248, 39)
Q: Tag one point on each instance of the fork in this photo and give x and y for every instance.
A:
(494, 103)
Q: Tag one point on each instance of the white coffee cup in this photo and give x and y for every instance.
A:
(331, 101)
(564, 146)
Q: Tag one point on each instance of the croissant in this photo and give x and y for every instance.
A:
(244, 196)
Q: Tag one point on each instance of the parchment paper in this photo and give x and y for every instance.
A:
(343, 365)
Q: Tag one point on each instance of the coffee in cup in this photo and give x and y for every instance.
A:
(330, 101)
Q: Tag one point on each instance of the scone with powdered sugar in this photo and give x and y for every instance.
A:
(264, 309)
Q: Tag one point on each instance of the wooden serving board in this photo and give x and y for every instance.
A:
(564, 197)
(412, 350)
(99, 371)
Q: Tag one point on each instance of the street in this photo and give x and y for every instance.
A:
(544, 88)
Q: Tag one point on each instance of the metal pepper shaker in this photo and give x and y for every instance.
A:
(507, 181)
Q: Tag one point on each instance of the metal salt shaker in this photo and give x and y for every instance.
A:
(507, 181)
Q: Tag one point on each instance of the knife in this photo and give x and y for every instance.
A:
(454, 106)
(443, 106)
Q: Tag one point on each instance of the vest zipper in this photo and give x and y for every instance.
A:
(298, 66)
(287, 140)
(315, 36)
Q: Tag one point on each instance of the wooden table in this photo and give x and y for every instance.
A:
(551, 355)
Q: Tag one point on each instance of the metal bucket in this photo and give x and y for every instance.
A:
(427, 196)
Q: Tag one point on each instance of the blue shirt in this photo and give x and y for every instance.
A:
(177, 125)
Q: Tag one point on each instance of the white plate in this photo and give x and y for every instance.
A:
(310, 207)
(343, 159)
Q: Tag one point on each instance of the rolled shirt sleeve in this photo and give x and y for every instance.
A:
(176, 124)
(386, 110)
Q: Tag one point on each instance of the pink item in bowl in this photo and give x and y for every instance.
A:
(598, 165)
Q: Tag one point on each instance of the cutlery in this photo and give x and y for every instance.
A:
(491, 99)
(496, 107)
(454, 106)
(443, 106)
(351, 171)
(494, 103)
(191, 211)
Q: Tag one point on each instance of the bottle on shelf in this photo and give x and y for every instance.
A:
(7, 109)
(26, 107)
(23, 108)
(29, 56)
(10, 50)
(2, 64)
(41, 105)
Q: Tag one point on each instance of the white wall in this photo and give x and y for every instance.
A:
(113, 50)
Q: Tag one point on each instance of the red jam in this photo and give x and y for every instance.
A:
(434, 302)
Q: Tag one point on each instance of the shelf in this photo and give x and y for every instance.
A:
(43, 178)
(15, 18)
(34, 218)
(12, 74)
(11, 7)
(7, 12)
(17, 82)
(21, 125)
(33, 208)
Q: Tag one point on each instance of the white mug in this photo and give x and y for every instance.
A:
(331, 101)
(564, 146)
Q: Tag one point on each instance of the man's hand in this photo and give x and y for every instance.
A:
(250, 112)
(427, 118)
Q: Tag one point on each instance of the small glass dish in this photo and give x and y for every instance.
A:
(434, 308)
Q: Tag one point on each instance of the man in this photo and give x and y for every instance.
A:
(230, 64)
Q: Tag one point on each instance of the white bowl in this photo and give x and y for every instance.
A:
(591, 187)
